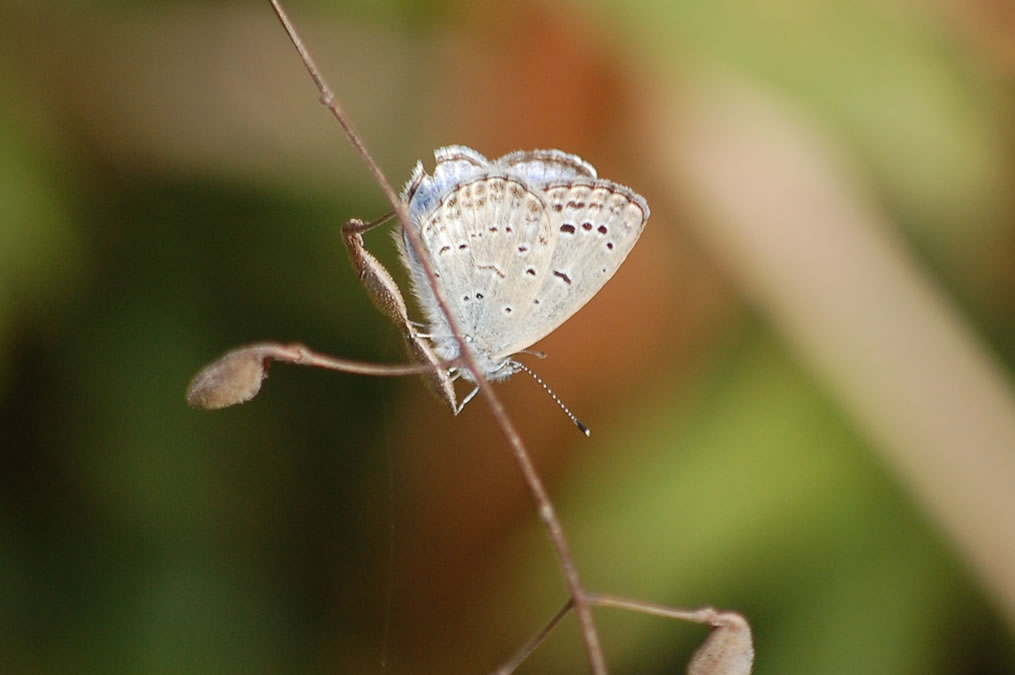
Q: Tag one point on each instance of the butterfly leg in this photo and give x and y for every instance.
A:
(471, 395)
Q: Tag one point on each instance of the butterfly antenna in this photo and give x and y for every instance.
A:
(577, 422)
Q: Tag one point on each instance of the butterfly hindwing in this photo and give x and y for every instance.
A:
(490, 242)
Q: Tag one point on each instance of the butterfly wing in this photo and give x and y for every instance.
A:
(540, 167)
(594, 225)
(490, 243)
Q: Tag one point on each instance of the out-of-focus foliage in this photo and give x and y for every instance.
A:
(170, 189)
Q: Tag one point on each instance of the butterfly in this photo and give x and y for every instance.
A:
(517, 246)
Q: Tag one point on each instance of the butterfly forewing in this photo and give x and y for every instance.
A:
(594, 225)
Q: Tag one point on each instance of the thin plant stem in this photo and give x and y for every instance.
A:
(545, 507)
(703, 615)
(237, 376)
(301, 355)
(529, 647)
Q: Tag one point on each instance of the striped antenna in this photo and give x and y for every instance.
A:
(577, 422)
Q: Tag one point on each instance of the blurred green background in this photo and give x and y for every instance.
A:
(170, 189)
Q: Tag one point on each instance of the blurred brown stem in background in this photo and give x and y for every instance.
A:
(790, 225)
